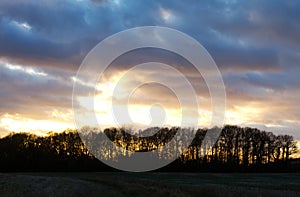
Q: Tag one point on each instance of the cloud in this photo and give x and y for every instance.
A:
(32, 92)
(239, 35)
(254, 43)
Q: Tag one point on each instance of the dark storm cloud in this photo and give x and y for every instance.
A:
(62, 32)
(244, 35)
(241, 35)
(59, 33)
(48, 40)
(24, 47)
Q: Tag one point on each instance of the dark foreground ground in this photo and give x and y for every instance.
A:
(148, 184)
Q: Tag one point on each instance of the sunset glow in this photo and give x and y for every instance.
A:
(40, 57)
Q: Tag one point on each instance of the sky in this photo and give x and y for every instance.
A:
(255, 44)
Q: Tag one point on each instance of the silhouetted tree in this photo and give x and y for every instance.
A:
(236, 148)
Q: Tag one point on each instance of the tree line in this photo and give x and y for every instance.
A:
(237, 148)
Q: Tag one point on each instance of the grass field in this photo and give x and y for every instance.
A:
(148, 184)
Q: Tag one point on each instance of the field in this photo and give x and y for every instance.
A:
(148, 184)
